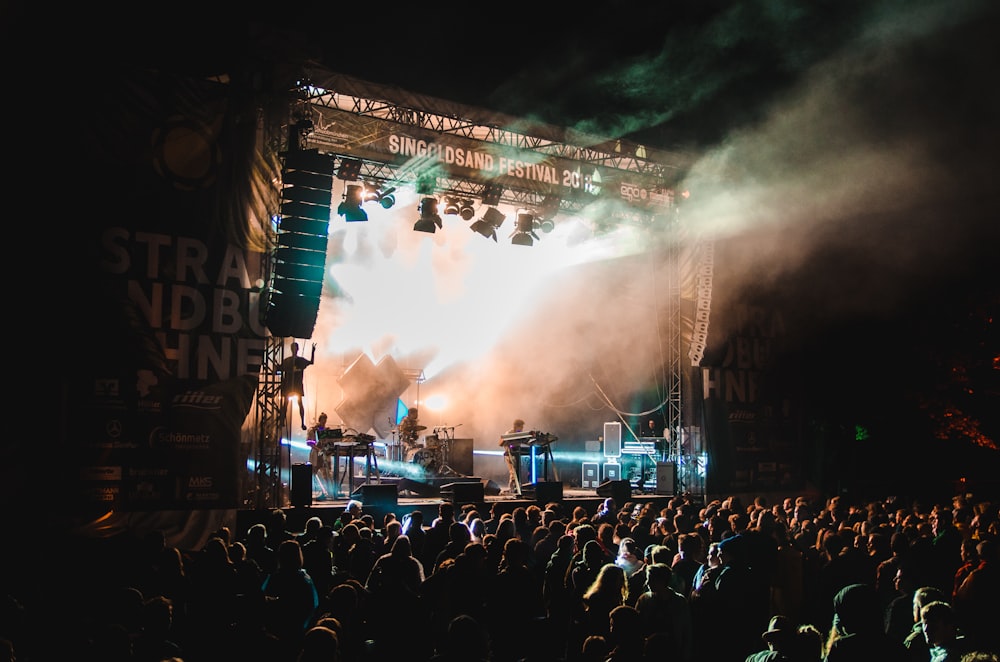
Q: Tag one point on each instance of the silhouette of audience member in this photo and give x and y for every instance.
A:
(940, 627)
(662, 609)
(808, 646)
(293, 597)
(458, 537)
(625, 635)
(319, 644)
(258, 548)
(608, 590)
(735, 604)
(779, 639)
(214, 590)
(857, 631)
(353, 510)
(690, 557)
(899, 614)
(317, 558)
(154, 642)
(914, 642)
(630, 559)
(976, 598)
(595, 648)
(518, 598)
(277, 532)
(467, 640)
(438, 535)
(555, 594)
(249, 576)
(345, 604)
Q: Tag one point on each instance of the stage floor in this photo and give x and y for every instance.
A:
(402, 496)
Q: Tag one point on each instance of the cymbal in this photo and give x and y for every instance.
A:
(419, 427)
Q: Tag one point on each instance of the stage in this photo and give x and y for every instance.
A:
(402, 495)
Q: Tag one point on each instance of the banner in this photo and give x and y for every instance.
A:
(170, 344)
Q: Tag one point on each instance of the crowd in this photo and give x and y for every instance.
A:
(680, 580)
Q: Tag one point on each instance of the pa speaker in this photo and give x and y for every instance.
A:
(666, 473)
(299, 258)
(462, 493)
(301, 491)
(378, 496)
(613, 439)
(619, 490)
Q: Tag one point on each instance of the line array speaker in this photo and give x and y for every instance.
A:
(299, 258)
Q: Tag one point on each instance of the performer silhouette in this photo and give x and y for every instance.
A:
(292, 370)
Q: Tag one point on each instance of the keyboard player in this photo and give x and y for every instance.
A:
(512, 456)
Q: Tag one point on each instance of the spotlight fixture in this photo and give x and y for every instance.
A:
(546, 212)
(450, 206)
(465, 210)
(350, 208)
(488, 224)
(429, 220)
(383, 196)
(524, 235)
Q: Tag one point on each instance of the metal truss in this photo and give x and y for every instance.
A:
(368, 100)
(269, 417)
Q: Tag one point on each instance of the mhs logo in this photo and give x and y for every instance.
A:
(201, 482)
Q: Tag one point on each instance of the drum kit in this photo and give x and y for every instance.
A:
(432, 455)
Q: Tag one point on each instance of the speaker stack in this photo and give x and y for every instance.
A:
(299, 257)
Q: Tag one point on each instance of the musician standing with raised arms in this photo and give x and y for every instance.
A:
(513, 459)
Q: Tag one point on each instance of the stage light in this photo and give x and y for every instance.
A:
(350, 208)
(465, 210)
(488, 224)
(492, 194)
(429, 220)
(524, 235)
(350, 170)
(387, 199)
(458, 207)
(383, 196)
(546, 212)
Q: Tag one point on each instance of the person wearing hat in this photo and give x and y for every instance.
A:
(779, 637)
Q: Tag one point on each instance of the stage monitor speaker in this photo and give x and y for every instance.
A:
(378, 496)
(462, 493)
(666, 474)
(591, 474)
(546, 491)
(301, 494)
(619, 490)
(612, 471)
(613, 439)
